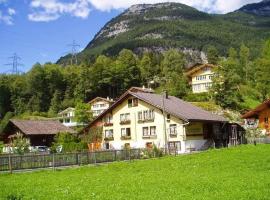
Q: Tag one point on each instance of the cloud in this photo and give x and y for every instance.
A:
(48, 10)
(213, 6)
(6, 13)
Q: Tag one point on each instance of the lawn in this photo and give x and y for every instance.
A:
(236, 173)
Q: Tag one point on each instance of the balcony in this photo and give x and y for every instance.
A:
(125, 137)
(140, 121)
(173, 135)
(149, 136)
(125, 122)
(109, 138)
(108, 124)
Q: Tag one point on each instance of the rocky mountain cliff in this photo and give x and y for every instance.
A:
(159, 27)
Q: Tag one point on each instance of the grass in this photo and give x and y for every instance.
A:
(240, 173)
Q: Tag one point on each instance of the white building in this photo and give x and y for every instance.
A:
(140, 119)
(200, 77)
(67, 117)
(99, 105)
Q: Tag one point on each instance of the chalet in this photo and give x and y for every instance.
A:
(67, 117)
(99, 105)
(140, 118)
(200, 77)
(40, 133)
(259, 117)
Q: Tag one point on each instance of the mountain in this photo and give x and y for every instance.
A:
(158, 27)
(261, 8)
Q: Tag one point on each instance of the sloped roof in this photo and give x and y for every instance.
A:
(173, 106)
(197, 67)
(66, 110)
(257, 110)
(40, 127)
(101, 99)
(178, 107)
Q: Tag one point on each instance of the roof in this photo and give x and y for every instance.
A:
(173, 106)
(40, 127)
(197, 67)
(66, 110)
(257, 110)
(101, 99)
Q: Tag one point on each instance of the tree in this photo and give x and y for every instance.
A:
(226, 83)
(175, 81)
(212, 55)
(55, 103)
(148, 67)
(83, 113)
(245, 61)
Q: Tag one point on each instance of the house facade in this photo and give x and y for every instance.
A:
(67, 117)
(99, 105)
(259, 117)
(200, 77)
(143, 119)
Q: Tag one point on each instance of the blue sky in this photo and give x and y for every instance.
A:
(40, 30)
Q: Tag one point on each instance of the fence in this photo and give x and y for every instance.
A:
(259, 140)
(22, 162)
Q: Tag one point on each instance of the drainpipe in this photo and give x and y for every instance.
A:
(165, 95)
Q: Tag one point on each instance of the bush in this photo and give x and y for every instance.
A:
(157, 152)
(20, 144)
(1, 147)
(14, 197)
(69, 143)
(200, 97)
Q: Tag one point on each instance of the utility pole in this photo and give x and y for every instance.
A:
(74, 52)
(15, 63)
(164, 96)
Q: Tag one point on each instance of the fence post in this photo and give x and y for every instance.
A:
(115, 155)
(10, 163)
(77, 158)
(53, 161)
(95, 159)
(129, 155)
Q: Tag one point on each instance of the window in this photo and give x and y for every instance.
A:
(109, 133)
(95, 106)
(108, 119)
(125, 117)
(266, 120)
(173, 130)
(140, 116)
(211, 77)
(102, 105)
(145, 131)
(125, 132)
(152, 130)
(132, 102)
(168, 116)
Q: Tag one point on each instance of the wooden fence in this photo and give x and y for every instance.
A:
(13, 162)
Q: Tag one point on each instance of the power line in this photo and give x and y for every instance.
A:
(14, 63)
(74, 52)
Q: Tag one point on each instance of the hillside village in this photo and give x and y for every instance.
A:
(177, 98)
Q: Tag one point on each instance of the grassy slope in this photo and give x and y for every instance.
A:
(237, 173)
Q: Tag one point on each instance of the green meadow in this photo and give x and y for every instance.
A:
(241, 173)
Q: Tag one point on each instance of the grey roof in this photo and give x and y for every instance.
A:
(41, 127)
(178, 107)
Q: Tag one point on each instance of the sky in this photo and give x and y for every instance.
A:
(42, 30)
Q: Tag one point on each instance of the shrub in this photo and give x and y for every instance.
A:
(14, 197)
(1, 147)
(69, 143)
(20, 144)
(157, 151)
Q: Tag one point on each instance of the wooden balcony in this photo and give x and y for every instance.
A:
(111, 138)
(125, 122)
(125, 137)
(140, 121)
(149, 136)
(108, 124)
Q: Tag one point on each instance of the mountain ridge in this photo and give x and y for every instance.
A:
(162, 26)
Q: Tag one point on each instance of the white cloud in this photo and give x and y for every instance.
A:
(6, 13)
(213, 6)
(48, 10)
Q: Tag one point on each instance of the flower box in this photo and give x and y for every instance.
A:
(125, 137)
(125, 122)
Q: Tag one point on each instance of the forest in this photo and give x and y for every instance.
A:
(241, 81)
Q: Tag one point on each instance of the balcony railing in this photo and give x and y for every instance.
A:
(146, 120)
(173, 134)
(108, 124)
(149, 136)
(125, 137)
(109, 138)
(125, 122)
